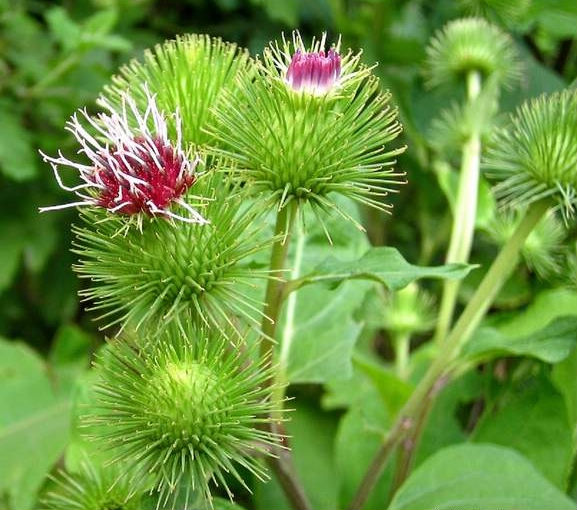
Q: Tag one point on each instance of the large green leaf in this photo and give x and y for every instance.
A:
(34, 424)
(384, 265)
(546, 306)
(565, 381)
(478, 477)
(318, 329)
(312, 436)
(534, 421)
(552, 343)
(359, 436)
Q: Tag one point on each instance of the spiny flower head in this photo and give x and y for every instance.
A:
(310, 125)
(184, 409)
(92, 488)
(134, 167)
(536, 156)
(471, 44)
(171, 271)
(544, 248)
(188, 75)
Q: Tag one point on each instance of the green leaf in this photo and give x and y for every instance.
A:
(546, 306)
(66, 31)
(384, 265)
(312, 436)
(394, 391)
(325, 333)
(563, 377)
(359, 436)
(34, 424)
(551, 344)
(285, 11)
(12, 242)
(17, 158)
(534, 421)
(318, 329)
(478, 477)
(444, 425)
(101, 22)
(70, 346)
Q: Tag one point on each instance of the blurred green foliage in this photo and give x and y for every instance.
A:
(55, 56)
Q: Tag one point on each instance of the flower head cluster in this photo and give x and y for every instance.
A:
(183, 408)
(134, 166)
(471, 44)
(314, 72)
(536, 156)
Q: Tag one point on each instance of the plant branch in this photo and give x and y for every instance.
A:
(275, 285)
(464, 214)
(283, 466)
(435, 376)
(282, 463)
(410, 445)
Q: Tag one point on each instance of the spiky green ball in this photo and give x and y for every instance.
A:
(536, 156)
(188, 75)
(303, 147)
(409, 310)
(173, 271)
(183, 409)
(92, 488)
(471, 44)
(543, 249)
(510, 12)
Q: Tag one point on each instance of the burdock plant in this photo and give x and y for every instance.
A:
(196, 149)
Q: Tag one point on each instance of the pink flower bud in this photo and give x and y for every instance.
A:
(314, 72)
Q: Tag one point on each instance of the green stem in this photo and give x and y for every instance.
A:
(435, 377)
(402, 345)
(282, 463)
(288, 330)
(463, 216)
(274, 289)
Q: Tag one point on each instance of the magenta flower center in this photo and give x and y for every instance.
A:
(314, 72)
(147, 183)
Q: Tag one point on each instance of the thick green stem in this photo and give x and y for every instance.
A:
(436, 375)
(274, 289)
(463, 216)
(282, 463)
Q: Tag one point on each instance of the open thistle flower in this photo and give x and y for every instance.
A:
(311, 124)
(134, 168)
(313, 72)
(183, 409)
(536, 156)
(92, 488)
(168, 272)
(187, 75)
(471, 44)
